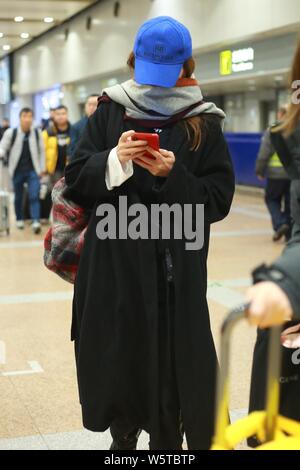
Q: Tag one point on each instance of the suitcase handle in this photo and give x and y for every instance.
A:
(273, 386)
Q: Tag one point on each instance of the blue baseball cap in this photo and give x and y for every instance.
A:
(161, 47)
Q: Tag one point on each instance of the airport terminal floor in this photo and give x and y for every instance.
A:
(39, 406)
(168, 104)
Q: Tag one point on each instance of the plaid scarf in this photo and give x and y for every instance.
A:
(64, 240)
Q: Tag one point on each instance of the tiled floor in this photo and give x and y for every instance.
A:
(38, 392)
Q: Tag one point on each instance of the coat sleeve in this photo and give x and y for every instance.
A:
(85, 174)
(47, 151)
(265, 153)
(212, 183)
(116, 172)
(5, 143)
(289, 265)
(285, 272)
(42, 155)
(74, 139)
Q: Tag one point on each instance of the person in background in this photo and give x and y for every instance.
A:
(49, 123)
(277, 191)
(57, 141)
(275, 297)
(24, 149)
(5, 125)
(78, 128)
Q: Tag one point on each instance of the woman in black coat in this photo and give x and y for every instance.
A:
(144, 350)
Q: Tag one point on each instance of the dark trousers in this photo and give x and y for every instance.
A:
(169, 435)
(277, 198)
(33, 182)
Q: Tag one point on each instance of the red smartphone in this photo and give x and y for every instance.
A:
(152, 139)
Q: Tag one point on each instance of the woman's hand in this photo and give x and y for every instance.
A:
(161, 165)
(269, 305)
(290, 337)
(128, 149)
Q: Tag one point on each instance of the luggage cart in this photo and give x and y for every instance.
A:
(275, 432)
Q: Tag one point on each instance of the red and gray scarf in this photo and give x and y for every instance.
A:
(156, 106)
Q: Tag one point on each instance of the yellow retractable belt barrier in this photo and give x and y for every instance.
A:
(274, 431)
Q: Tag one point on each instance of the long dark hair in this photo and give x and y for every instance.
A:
(192, 125)
(292, 117)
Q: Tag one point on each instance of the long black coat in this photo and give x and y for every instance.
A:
(115, 312)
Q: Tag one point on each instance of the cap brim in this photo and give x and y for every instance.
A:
(148, 73)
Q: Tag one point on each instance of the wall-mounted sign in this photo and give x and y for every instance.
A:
(226, 63)
(240, 60)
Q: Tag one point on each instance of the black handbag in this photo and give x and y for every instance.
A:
(289, 380)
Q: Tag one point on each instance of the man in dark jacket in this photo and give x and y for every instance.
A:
(78, 128)
(277, 192)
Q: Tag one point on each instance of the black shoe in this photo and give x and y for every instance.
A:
(126, 442)
(281, 232)
(288, 235)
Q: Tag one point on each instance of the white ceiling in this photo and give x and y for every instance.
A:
(33, 12)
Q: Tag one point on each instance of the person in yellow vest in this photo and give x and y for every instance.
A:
(57, 141)
(277, 190)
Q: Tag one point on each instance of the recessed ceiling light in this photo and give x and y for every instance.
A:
(6, 47)
(24, 35)
(48, 19)
(97, 21)
(19, 19)
(1, 35)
